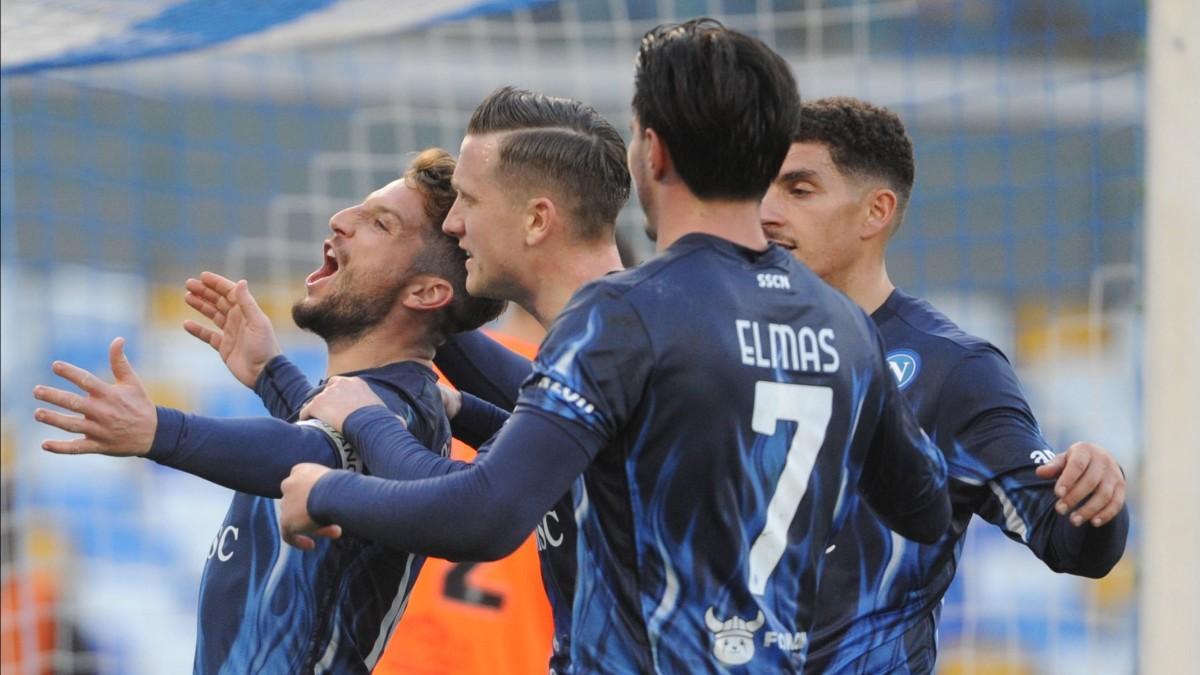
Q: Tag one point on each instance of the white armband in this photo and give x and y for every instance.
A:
(346, 453)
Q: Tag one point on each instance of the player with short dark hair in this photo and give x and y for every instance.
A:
(389, 290)
(549, 142)
(738, 95)
(839, 197)
(720, 403)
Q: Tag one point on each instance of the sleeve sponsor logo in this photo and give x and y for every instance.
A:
(566, 394)
(1043, 456)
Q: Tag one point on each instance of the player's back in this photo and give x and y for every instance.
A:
(741, 395)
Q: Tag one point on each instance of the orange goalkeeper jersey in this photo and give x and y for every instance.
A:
(475, 618)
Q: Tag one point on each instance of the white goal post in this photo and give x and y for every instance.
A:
(1170, 569)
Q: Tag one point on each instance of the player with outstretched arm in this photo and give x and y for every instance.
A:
(390, 288)
(540, 185)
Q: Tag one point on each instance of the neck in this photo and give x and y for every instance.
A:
(384, 344)
(564, 272)
(866, 283)
(678, 212)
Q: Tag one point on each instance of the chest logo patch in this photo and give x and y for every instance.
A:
(905, 365)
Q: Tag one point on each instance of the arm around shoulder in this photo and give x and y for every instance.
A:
(482, 514)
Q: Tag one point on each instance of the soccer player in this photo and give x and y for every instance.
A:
(720, 402)
(389, 290)
(540, 183)
(838, 200)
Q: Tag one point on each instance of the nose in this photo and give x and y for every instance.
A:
(768, 211)
(342, 222)
(454, 225)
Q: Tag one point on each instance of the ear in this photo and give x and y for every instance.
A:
(426, 293)
(657, 156)
(540, 220)
(880, 204)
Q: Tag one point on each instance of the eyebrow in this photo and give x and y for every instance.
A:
(796, 176)
(379, 209)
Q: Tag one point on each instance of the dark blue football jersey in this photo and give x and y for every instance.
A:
(479, 365)
(270, 608)
(740, 398)
(880, 594)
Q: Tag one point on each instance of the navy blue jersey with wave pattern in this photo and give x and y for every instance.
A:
(740, 398)
(267, 607)
(881, 594)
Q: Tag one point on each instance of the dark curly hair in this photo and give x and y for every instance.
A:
(430, 173)
(864, 140)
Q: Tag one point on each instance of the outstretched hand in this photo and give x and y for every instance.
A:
(243, 336)
(340, 397)
(295, 524)
(1086, 469)
(115, 419)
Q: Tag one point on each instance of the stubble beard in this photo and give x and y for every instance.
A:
(347, 314)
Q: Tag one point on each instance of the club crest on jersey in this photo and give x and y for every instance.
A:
(905, 364)
(733, 642)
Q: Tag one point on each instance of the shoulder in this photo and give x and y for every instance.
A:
(913, 323)
(921, 340)
(406, 387)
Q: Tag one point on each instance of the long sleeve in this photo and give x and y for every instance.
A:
(493, 507)
(475, 363)
(282, 387)
(477, 421)
(997, 446)
(250, 455)
(1086, 551)
(389, 451)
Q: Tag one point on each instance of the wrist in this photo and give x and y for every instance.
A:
(168, 426)
(454, 402)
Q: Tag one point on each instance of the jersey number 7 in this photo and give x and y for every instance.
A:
(810, 406)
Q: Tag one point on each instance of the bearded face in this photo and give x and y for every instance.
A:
(347, 311)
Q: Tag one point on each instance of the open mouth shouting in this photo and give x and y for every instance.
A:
(328, 268)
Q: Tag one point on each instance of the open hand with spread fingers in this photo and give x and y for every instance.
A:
(295, 524)
(115, 419)
(243, 335)
(1086, 472)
